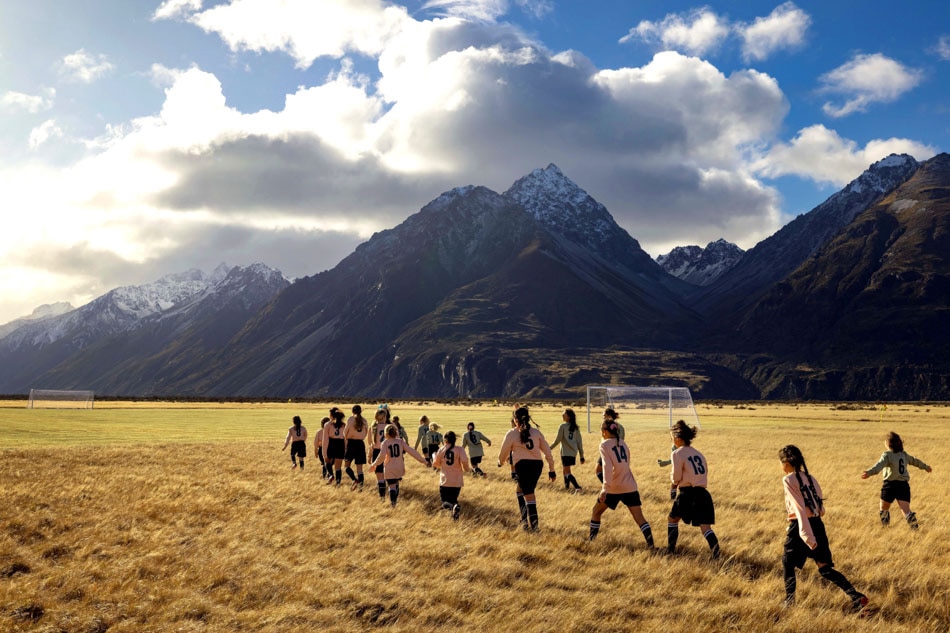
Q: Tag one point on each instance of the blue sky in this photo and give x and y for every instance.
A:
(141, 138)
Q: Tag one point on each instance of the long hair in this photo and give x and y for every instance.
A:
(523, 420)
(571, 419)
(357, 410)
(895, 443)
(792, 455)
(611, 427)
(449, 438)
(297, 421)
(684, 431)
(337, 417)
(392, 431)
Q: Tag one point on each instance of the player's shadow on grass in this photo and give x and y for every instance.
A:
(473, 511)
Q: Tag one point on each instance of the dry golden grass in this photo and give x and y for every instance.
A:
(162, 519)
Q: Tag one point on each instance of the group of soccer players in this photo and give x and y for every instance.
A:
(340, 445)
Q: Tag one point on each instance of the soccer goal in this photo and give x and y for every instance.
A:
(60, 399)
(641, 408)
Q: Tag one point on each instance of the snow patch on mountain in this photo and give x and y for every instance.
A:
(701, 266)
(41, 313)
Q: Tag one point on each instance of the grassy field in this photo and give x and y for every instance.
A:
(165, 517)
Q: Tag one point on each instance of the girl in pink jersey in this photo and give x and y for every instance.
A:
(379, 435)
(391, 456)
(692, 503)
(357, 428)
(451, 461)
(619, 483)
(297, 438)
(525, 445)
(806, 537)
(318, 446)
(334, 446)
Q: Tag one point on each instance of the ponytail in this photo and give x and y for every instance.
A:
(571, 420)
(523, 419)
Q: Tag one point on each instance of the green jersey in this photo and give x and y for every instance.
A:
(472, 442)
(895, 466)
(571, 442)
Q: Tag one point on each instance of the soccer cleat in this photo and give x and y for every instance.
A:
(456, 511)
(294, 467)
(912, 521)
(859, 602)
(354, 485)
(885, 517)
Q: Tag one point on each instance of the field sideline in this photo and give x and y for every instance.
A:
(159, 517)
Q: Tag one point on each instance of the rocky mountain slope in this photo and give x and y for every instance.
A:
(701, 266)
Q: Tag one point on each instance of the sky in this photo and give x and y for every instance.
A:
(140, 138)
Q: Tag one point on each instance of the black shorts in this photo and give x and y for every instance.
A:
(797, 551)
(568, 460)
(529, 471)
(629, 499)
(355, 451)
(899, 490)
(475, 460)
(336, 449)
(298, 448)
(694, 506)
(449, 494)
(378, 469)
(393, 481)
(433, 449)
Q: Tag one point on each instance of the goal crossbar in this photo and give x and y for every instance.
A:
(642, 407)
(61, 399)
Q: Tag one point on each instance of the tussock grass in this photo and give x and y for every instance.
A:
(164, 519)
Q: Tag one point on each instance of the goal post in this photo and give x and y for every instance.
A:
(60, 399)
(642, 407)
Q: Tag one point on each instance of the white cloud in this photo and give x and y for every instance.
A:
(537, 8)
(867, 79)
(784, 28)
(484, 10)
(822, 155)
(303, 29)
(943, 48)
(84, 67)
(29, 103)
(697, 32)
(170, 9)
(44, 132)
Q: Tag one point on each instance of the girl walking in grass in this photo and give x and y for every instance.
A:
(433, 441)
(318, 446)
(692, 503)
(572, 445)
(403, 433)
(421, 434)
(334, 446)
(806, 537)
(357, 428)
(297, 438)
(451, 462)
(894, 462)
(381, 420)
(526, 445)
(392, 454)
(472, 442)
(619, 482)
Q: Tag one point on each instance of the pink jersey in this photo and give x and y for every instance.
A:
(534, 448)
(797, 508)
(295, 434)
(615, 459)
(391, 456)
(331, 431)
(318, 440)
(689, 467)
(452, 462)
(350, 431)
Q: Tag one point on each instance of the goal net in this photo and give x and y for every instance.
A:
(60, 399)
(641, 408)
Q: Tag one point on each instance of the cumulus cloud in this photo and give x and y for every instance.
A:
(697, 32)
(822, 155)
(943, 48)
(303, 29)
(29, 103)
(170, 9)
(44, 132)
(867, 79)
(85, 67)
(784, 28)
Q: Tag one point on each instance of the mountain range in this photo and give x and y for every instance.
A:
(536, 292)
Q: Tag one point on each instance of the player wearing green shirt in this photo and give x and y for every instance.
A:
(894, 462)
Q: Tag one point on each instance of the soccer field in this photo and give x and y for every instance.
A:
(164, 517)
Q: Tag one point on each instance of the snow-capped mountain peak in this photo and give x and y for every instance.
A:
(884, 175)
(701, 266)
